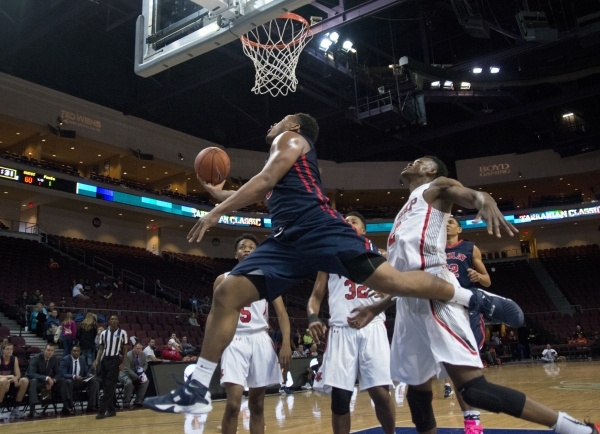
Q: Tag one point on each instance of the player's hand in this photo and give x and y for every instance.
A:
(122, 366)
(473, 275)
(491, 215)
(213, 190)
(316, 330)
(285, 356)
(364, 315)
(375, 294)
(202, 225)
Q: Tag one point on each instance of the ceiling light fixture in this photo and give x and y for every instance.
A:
(347, 46)
(334, 36)
(566, 115)
(325, 44)
(465, 85)
(435, 84)
(494, 69)
(477, 70)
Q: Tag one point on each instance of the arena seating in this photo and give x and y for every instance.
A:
(575, 270)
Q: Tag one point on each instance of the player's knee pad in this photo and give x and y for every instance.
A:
(421, 410)
(361, 267)
(340, 401)
(487, 396)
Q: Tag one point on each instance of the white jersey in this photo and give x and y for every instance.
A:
(418, 238)
(345, 295)
(254, 317)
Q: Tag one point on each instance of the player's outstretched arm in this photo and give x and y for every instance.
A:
(285, 150)
(285, 354)
(315, 325)
(450, 190)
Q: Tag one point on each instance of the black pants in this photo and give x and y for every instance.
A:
(109, 376)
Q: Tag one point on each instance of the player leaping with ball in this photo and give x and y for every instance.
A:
(308, 237)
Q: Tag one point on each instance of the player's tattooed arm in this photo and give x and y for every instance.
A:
(365, 314)
(443, 192)
(285, 353)
(315, 325)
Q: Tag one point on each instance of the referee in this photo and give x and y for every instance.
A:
(112, 341)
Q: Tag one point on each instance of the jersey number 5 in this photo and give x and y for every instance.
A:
(453, 269)
(245, 314)
(359, 291)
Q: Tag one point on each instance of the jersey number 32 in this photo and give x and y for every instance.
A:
(355, 291)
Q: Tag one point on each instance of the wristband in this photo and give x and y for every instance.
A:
(313, 317)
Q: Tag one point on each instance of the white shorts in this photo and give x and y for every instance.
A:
(251, 360)
(429, 333)
(353, 353)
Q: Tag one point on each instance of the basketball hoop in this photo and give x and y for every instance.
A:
(274, 49)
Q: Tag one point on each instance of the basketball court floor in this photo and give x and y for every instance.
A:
(573, 387)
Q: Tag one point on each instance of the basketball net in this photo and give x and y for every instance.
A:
(275, 48)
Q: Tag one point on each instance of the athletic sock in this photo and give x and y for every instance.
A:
(565, 424)
(447, 385)
(461, 296)
(472, 415)
(204, 371)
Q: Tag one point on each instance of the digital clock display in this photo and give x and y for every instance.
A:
(6, 172)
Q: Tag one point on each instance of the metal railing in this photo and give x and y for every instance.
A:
(103, 265)
(133, 279)
(18, 226)
(167, 293)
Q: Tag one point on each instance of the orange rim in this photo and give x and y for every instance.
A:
(287, 15)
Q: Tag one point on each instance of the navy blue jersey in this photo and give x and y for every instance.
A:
(459, 258)
(298, 192)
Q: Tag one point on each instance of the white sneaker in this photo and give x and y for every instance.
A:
(307, 386)
(17, 414)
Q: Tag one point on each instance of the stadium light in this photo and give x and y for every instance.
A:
(435, 84)
(465, 85)
(325, 44)
(494, 69)
(347, 45)
(448, 84)
(566, 115)
(477, 70)
(334, 36)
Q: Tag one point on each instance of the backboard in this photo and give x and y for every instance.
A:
(170, 32)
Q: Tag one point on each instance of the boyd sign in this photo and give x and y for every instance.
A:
(494, 169)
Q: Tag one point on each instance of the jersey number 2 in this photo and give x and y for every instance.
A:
(453, 269)
(245, 314)
(359, 291)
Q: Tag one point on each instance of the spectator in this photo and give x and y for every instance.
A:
(489, 355)
(75, 371)
(307, 340)
(44, 375)
(194, 305)
(158, 289)
(112, 342)
(104, 283)
(150, 351)
(78, 291)
(581, 339)
(192, 320)
(177, 342)
(68, 333)
(496, 338)
(299, 352)
(134, 377)
(98, 335)
(38, 320)
(10, 378)
(188, 349)
(37, 297)
(549, 355)
(578, 330)
(63, 306)
(313, 367)
(23, 300)
(51, 306)
(52, 264)
(313, 351)
(86, 335)
(87, 286)
(205, 303)
(52, 324)
(170, 352)
(297, 339)
(118, 285)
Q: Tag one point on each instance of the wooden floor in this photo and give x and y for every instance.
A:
(572, 387)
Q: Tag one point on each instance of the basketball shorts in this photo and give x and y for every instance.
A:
(352, 354)
(318, 241)
(251, 360)
(429, 333)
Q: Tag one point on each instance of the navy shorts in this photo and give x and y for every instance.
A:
(317, 241)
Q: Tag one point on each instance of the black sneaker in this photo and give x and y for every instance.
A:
(496, 308)
(448, 392)
(191, 397)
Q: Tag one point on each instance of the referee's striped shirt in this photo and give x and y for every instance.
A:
(112, 341)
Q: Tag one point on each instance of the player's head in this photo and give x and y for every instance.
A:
(428, 167)
(299, 123)
(357, 221)
(453, 227)
(244, 245)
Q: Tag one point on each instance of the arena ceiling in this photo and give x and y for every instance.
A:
(85, 48)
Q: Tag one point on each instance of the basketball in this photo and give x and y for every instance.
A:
(212, 165)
